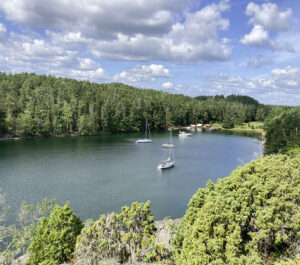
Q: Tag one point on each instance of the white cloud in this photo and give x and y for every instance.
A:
(129, 29)
(287, 77)
(281, 86)
(141, 73)
(268, 16)
(97, 19)
(192, 40)
(87, 63)
(96, 74)
(259, 61)
(257, 37)
(167, 85)
(22, 53)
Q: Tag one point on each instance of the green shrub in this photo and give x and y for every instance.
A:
(126, 237)
(251, 217)
(55, 238)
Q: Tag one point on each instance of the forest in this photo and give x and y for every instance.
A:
(39, 105)
(283, 130)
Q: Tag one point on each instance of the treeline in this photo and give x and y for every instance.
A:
(39, 105)
(283, 130)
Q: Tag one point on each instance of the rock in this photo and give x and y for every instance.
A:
(163, 233)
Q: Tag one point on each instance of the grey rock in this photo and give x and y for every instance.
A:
(163, 233)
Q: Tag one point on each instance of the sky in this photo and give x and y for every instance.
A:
(191, 47)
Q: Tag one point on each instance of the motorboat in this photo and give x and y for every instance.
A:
(183, 133)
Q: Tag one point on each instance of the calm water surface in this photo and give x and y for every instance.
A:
(99, 174)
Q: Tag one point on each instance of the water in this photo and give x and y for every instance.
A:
(99, 174)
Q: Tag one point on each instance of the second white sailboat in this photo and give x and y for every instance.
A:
(146, 139)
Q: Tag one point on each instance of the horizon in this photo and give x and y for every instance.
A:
(184, 47)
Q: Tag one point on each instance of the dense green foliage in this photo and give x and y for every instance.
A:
(32, 105)
(15, 238)
(251, 217)
(55, 238)
(128, 236)
(283, 130)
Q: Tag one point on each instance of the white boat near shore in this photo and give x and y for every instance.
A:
(182, 133)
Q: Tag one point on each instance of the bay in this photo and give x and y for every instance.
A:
(99, 174)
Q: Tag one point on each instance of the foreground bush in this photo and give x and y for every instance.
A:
(251, 217)
(126, 237)
(55, 238)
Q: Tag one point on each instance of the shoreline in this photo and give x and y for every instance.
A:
(252, 132)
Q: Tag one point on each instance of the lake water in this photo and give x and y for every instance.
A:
(99, 174)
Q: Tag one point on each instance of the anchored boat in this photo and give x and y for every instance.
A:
(170, 143)
(169, 162)
(146, 139)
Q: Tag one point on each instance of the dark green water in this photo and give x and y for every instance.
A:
(99, 174)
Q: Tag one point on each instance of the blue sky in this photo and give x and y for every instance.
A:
(180, 46)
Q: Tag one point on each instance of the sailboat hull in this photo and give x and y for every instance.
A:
(166, 164)
(168, 145)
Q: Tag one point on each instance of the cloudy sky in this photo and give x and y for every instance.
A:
(194, 47)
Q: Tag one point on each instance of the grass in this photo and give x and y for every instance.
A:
(254, 126)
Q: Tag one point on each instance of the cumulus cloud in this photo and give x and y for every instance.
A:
(96, 74)
(288, 77)
(96, 18)
(257, 37)
(167, 85)
(193, 40)
(129, 29)
(25, 54)
(141, 73)
(280, 86)
(266, 18)
(259, 62)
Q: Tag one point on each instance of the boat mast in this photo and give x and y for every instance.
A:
(146, 129)
(149, 132)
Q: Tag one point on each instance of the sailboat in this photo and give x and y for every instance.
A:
(170, 144)
(169, 162)
(146, 139)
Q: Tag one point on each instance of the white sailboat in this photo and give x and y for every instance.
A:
(146, 139)
(170, 143)
(169, 162)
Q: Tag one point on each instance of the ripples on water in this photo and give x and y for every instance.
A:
(99, 174)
